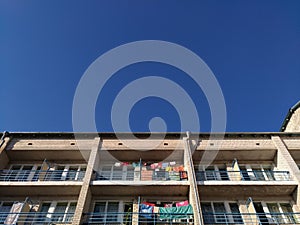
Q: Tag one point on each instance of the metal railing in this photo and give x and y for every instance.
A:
(36, 218)
(41, 175)
(251, 218)
(244, 175)
(142, 218)
(142, 176)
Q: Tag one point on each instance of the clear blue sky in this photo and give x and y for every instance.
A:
(253, 48)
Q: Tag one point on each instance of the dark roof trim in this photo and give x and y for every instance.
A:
(144, 135)
(288, 116)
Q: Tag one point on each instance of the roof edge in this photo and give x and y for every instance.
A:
(288, 116)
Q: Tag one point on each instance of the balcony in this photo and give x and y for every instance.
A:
(40, 175)
(147, 175)
(146, 182)
(251, 218)
(47, 182)
(36, 218)
(243, 182)
(142, 218)
(243, 175)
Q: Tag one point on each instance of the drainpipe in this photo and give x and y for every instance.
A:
(5, 133)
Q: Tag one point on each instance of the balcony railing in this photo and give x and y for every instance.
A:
(41, 175)
(147, 175)
(36, 218)
(244, 175)
(142, 218)
(251, 218)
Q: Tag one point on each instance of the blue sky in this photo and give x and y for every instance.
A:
(252, 47)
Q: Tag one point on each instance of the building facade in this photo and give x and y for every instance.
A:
(104, 178)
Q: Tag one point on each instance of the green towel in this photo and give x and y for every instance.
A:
(182, 212)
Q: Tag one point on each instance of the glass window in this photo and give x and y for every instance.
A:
(59, 212)
(220, 212)
(70, 212)
(210, 173)
(236, 216)
(207, 211)
(72, 172)
(5, 208)
(288, 210)
(99, 212)
(112, 211)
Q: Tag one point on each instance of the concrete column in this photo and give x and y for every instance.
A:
(85, 195)
(249, 213)
(234, 173)
(135, 213)
(286, 162)
(193, 187)
(4, 160)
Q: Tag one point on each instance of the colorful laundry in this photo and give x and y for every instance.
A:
(184, 203)
(146, 211)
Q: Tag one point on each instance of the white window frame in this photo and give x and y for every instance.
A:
(124, 171)
(226, 206)
(66, 170)
(266, 209)
(52, 207)
(121, 207)
(32, 171)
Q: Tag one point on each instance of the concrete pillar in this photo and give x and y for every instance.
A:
(85, 195)
(286, 162)
(193, 187)
(4, 160)
(249, 212)
(234, 173)
(135, 213)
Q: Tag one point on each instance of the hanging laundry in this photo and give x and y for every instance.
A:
(168, 205)
(117, 164)
(164, 165)
(183, 175)
(159, 165)
(184, 203)
(183, 212)
(148, 203)
(125, 163)
(156, 209)
(168, 169)
(146, 211)
(173, 163)
(178, 168)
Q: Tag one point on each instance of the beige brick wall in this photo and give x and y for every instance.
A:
(239, 144)
(286, 162)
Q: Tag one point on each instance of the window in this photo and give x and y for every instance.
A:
(5, 208)
(258, 172)
(221, 213)
(213, 172)
(112, 172)
(66, 172)
(17, 173)
(56, 212)
(281, 213)
(112, 211)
